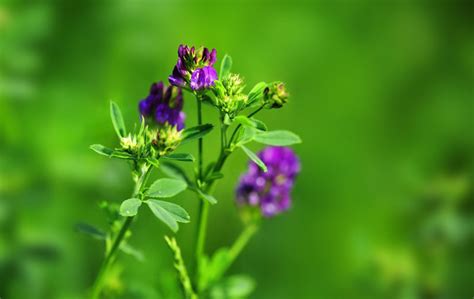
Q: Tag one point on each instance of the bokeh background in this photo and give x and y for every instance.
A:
(381, 94)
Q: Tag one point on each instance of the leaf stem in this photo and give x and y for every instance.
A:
(112, 252)
(241, 242)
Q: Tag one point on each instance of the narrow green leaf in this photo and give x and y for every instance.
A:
(226, 66)
(256, 93)
(128, 249)
(117, 120)
(214, 176)
(277, 138)
(196, 132)
(163, 215)
(166, 188)
(153, 162)
(254, 158)
(91, 231)
(129, 207)
(260, 125)
(102, 150)
(180, 157)
(211, 199)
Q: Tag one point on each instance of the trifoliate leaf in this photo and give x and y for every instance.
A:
(168, 213)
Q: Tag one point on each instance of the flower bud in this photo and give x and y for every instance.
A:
(230, 98)
(166, 140)
(275, 95)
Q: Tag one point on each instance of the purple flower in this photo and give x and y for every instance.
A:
(270, 191)
(203, 78)
(164, 105)
(190, 61)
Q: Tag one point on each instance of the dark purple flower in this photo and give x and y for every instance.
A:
(164, 105)
(191, 60)
(203, 78)
(270, 191)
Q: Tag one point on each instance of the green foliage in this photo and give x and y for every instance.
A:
(277, 138)
(174, 171)
(117, 120)
(254, 158)
(226, 66)
(233, 287)
(102, 150)
(256, 93)
(209, 198)
(129, 207)
(169, 213)
(184, 157)
(91, 230)
(166, 187)
(196, 132)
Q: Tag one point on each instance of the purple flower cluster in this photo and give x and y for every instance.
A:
(270, 190)
(164, 105)
(194, 68)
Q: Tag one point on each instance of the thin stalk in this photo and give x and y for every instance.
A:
(241, 242)
(203, 205)
(112, 252)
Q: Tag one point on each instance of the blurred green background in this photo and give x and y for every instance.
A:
(381, 93)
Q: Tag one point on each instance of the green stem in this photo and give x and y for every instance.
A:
(241, 242)
(112, 252)
(203, 205)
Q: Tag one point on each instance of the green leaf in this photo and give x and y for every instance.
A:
(174, 171)
(129, 207)
(168, 213)
(245, 121)
(166, 188)
(256, 93)
(245, 135)
(211, 199)
(117, 120)
(254, 158)
(128, 249)
(233, 287)
(260, 125)
(153, 162)
(102, 150)
(91, 231)
(226, 66)
(180, 157)
(214, 176)
(250, 122)
(196, 132)
(277, 138)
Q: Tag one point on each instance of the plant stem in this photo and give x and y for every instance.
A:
(203, 205)
(112, 252)
(241, 241)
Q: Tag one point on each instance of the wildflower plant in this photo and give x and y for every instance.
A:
(263, 191)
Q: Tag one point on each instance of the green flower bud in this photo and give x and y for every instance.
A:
(166, 140)
(130, 143)
(275, 95)
(230, 98)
